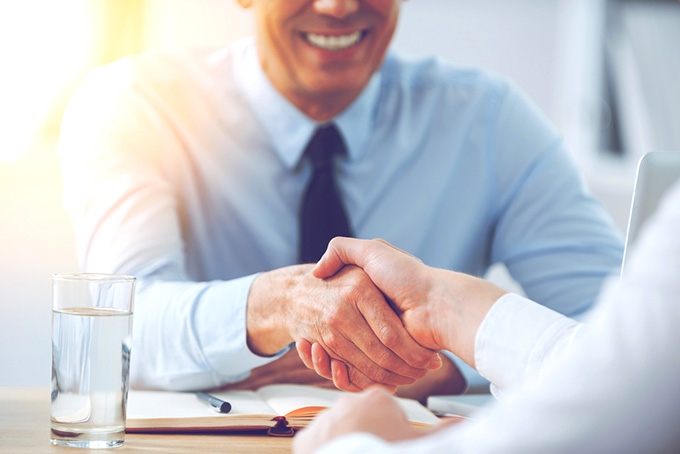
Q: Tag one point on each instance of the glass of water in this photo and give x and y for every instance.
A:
(91, 339)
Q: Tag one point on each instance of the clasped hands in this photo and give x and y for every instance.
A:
(367, 313)
(438, 308)
(400, 302)
(343, 325)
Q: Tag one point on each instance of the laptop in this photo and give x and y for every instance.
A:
(656, 173)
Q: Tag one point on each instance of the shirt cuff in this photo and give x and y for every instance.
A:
(514, 340)
(223, 337)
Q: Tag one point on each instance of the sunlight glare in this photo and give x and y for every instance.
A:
(43, 44)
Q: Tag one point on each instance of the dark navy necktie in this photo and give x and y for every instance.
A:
(322, 213)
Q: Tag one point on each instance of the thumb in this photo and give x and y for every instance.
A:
(341, 251)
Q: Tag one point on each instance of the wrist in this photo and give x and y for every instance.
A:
(267, 307)
(439, 302)
(463, 302)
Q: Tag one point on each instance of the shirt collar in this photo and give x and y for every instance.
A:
(289, 130)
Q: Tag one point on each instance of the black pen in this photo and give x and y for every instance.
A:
(216, 404)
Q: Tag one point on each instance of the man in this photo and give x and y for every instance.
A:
(607, 386)
(188, 169)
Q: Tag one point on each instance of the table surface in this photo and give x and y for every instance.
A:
(25, 428)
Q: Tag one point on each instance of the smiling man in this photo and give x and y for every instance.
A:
(193, 170)
(321, 55)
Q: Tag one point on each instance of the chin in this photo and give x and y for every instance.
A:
(339, 84)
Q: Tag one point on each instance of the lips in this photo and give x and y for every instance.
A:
(334, 42)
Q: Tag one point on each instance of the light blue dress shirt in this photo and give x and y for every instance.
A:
(185, 170)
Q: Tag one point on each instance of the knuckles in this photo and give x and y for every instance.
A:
(333, 341)
(389, 337)
(341, 315)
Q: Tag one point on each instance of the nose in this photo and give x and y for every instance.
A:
(336, 8)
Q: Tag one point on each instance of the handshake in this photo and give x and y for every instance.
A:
(369, 313)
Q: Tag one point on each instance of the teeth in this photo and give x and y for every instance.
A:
(333, 42)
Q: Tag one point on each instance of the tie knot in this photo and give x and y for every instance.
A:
(326, 143)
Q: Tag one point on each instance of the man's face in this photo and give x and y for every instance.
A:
(315, 50)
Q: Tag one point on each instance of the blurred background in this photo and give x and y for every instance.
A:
(605, 71)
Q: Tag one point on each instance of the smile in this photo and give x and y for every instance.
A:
(333, 42)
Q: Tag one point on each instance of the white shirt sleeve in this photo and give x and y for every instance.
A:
(517, 339)
(186, 335)
(610, 385)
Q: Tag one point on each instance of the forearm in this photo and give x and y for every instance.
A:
(458, 304)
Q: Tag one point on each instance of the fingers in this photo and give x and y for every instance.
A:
(351, 320)
(342, 332)
(380, 240)
(406, 356)
(321, 361)
(369, 412)
(367, 354)
(386, 341)
(337, 371)
(332, 343)
(366, 333)
(343, 251)
(344, 377)
(349, 378)
(315, 357)
(304, 349)
(374, 412)
(340, 252)
(341, 378)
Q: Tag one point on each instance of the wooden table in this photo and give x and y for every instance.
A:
(25, 428)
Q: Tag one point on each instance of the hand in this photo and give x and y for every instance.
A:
(404, 280)
(440, 309)
(374, 411)
(346, 315)
(446, 380)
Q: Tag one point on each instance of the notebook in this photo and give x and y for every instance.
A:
(656, 173)
(276, 409)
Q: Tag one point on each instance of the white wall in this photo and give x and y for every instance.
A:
(514, 38)
(36, 241)
(511, 38)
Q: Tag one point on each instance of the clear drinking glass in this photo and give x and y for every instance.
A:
(91, 340)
